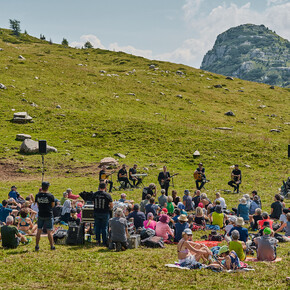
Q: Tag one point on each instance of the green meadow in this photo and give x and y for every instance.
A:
(112, 102)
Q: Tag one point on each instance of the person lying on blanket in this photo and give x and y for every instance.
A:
(190, 252)
(228, 260)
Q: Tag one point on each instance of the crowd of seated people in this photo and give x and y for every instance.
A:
(172, 218)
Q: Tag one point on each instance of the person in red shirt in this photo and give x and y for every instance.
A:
(266, 218)
(73, 196)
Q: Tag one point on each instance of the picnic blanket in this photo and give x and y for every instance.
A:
(253, 259)
(209, 244)
(177, 265)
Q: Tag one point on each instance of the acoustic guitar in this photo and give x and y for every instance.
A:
(197, 176)
(105, 175)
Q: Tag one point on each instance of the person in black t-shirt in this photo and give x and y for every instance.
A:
(276, 208)
(123, 176)
(45, 202)
(103, 177)
(151, 189)
(164, 179)
(236, 176)
(103, 204)
(199, 176)
(136, 180)
(196, 198)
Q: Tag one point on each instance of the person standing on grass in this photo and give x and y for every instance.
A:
(103, 204)
(45, 202)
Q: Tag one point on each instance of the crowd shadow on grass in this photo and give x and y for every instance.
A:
(14, 252)
(88, 246)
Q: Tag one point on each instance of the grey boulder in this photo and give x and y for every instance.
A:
(29, 146)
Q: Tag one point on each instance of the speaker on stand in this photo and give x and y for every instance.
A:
(42, 149)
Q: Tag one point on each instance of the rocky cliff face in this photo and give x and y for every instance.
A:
(251, 52)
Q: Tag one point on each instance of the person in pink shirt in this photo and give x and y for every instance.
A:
(162, 228)
(149, 223)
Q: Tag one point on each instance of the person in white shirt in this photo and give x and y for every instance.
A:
(222, 200)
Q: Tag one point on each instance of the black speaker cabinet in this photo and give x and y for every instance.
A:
(42, 146)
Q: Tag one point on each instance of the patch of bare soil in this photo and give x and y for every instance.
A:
(12, 171)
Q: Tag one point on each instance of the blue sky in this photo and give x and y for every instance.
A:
(180, 31)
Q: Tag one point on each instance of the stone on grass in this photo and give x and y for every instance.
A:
(21, 117)
(109, 161)
(275, 130)
(218, 86)
(21, 57)
(21, 137)
(179, 96)
(230, 113)
(230, 78)
(262, 106)
(224, 128)
(196, 154)
(3, 87)
(58, 106)
(120, 155)
(179, 72)
(29, 146)
(272, 87)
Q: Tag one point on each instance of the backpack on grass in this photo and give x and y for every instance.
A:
(153, 242)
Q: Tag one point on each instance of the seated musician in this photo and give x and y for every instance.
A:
(236, 176)
(164, 179)
(136, 180)
(103, 177)
(199, 176)
(123, 176)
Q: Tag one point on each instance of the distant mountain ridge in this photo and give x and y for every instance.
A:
(250, 52)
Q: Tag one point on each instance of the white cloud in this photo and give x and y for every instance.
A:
(131, 49)
(206, 27)
(94, 40)
(221, 18)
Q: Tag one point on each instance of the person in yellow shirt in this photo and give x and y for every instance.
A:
(238, 246)
(217, 217)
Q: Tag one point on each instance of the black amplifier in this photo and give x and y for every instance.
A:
(88, 213)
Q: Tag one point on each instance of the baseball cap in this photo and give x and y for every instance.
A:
(187, 231)
(45, 184)
(186, 192)
(267, 231)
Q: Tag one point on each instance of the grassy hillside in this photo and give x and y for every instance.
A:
(138, 111)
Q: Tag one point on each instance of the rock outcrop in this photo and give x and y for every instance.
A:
(250, 52)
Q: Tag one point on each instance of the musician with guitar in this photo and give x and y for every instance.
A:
(236, 176)
(164, 179)
(135, 179)
(199, 177)
(103, 177)
(123, 176)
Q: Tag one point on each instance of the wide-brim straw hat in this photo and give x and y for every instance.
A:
(240, 221)
(183, 218)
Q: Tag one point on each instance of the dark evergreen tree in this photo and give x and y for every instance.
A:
(88, 45)
(15, 26)
(64, 42)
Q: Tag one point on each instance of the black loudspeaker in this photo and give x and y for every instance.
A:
(42, 146)
(288, 150)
